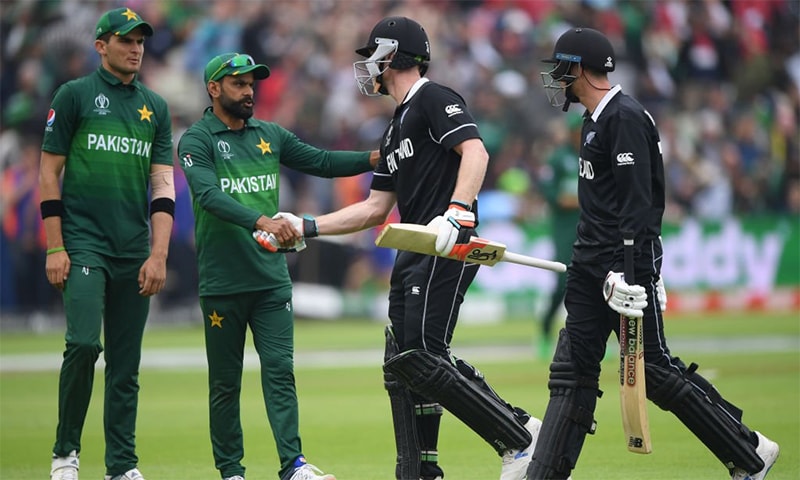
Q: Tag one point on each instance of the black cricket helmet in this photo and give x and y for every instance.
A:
(578, 46)
(399, 35)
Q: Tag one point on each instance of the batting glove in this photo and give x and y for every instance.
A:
(661, 294)
(457, 227)
(307, 226)
(270, 243)
(627, 300)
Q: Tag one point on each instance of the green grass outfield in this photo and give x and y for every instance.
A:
(753, 359)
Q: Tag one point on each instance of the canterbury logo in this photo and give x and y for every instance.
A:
(625, 158)
(451, 110)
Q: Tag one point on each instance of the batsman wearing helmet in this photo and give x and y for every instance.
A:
(432, 166)
(621, 189)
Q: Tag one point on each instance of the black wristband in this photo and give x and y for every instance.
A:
(163, 204)
(461, 204)
(310, 226)
(52, 208)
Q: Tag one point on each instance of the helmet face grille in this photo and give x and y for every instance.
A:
(368, 71)
(556, 82)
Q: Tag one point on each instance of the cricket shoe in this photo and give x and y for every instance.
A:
(235, 477)
(65, 468)
(305, 471)
(515, 462)
(768, 451)
(132, 474)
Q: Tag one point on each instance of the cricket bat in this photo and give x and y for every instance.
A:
(421, 239)
(633, 398)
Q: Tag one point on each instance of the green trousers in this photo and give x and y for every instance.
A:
(270, 318)
(102, 297)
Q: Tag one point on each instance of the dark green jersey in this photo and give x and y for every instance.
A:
(561, 180)
(110, 134)
(234, 179)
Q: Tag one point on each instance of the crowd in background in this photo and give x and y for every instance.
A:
(721, 79)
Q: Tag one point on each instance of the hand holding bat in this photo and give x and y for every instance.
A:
(422, 238)
(630, 299)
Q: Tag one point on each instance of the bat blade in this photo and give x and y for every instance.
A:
(421, 239)
(633, 398)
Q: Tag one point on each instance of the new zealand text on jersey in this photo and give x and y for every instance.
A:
(405, 150)
(117, 144)
(256, 183)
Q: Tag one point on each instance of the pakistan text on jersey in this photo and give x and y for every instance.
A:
(117, 144)
(254, 184)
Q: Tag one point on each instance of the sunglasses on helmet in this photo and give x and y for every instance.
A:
(238, 61)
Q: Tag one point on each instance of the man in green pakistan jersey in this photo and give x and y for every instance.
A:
(558, 183)
(112, 138)
(232, 163)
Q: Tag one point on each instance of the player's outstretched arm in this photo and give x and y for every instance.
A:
(368, 213)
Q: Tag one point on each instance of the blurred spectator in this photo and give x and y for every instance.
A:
(218, 32)
(558, 181)
(28, 105)
(23, 229)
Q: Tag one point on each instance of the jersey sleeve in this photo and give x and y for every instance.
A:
(311, 160)
(450, 120)
(197, 162)
(62, 121)
(630, 164)
(382, 178)
(162, 142)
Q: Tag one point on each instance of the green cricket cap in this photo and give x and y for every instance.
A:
(121, 21)
(234, 64)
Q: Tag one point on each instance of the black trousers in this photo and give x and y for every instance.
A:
(425, 297)
(590, 321)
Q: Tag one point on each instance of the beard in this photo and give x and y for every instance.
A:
(237, 109)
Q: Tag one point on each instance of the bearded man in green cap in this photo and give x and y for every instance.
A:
(108, 226)
(232, 164)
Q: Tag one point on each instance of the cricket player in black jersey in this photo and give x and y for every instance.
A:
(621, 189)
(432, 166)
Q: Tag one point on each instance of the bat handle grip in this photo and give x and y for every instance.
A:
(627, 251)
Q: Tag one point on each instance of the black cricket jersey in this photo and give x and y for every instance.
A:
(418, 162)
(621, 184)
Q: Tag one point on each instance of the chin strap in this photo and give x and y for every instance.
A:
(566, 105)
(381, 88)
